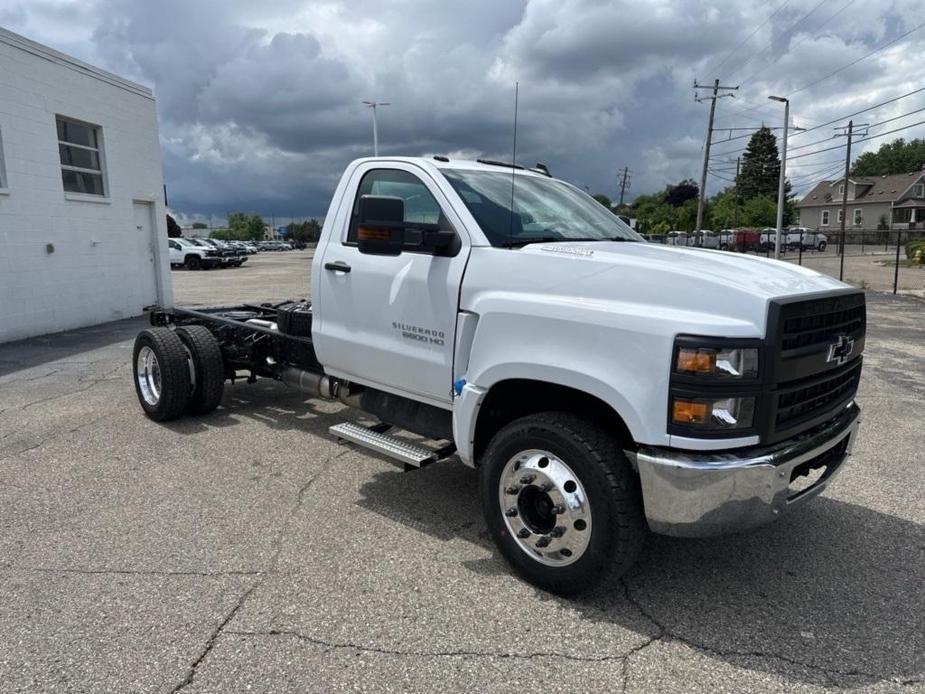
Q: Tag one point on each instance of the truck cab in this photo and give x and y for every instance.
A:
(603, 386)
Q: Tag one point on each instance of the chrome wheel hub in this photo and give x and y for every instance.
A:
(545, 508)
(148, 373)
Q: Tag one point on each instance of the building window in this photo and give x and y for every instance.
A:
(81, 161)
(902, 215)
(858, 217)
(918, 190)
(840, 217)
(841, 189)
(825, 218)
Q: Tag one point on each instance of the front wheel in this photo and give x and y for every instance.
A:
(193, 262)
(561, 502)
(821, 246)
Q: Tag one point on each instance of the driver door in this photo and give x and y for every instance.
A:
(389, 321)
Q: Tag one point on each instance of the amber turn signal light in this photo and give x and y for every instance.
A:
(696, 361)
(367, 234)
(689, 412)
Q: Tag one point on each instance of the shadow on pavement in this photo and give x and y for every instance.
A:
(832, 593)
(35, 351)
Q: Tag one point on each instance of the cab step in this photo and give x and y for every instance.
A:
(412, 455)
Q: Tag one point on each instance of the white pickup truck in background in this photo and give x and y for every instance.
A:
(603, 386)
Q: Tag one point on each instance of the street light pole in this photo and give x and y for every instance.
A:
(783, 175)
(374, 105)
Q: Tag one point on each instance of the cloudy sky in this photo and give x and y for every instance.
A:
(260, 103)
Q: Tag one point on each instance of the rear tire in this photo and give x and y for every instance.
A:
(162, 378)
(821, 247)
(587, 507)
(208, 368)
(193, 262)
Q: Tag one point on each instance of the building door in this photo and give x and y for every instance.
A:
(145, 254)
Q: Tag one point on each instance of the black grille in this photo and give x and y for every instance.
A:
(819, 321)
(802, 402)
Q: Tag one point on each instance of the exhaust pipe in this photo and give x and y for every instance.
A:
(320, 385)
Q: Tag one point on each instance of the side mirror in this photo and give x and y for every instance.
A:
(380, 225)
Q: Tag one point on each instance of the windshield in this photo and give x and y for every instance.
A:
(544, 209)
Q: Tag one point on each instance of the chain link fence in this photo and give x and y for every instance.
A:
(880, 259)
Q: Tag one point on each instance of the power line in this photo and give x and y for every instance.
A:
(855, 62)
(800, 42)
(747, 38)
(838, 70)
(865, 139)
(716, 175)
(863, 110)
(786, 33)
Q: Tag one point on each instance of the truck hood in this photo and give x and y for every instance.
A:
(737, 272)
(688, 290)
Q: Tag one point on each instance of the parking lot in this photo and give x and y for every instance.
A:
(248, 551)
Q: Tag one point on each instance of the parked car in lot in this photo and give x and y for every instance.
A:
(601, 386)
(807, 238)
(678, 238)
(185, 253)
(231, 257)
(747, 240)
(726, 239)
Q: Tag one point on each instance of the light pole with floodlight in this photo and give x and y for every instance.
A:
(374, 105)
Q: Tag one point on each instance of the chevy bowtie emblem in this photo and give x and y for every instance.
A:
(840, 350)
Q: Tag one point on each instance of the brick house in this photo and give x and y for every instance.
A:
(898, 200)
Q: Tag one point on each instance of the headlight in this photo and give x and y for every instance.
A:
(720, 362)
(713, 414)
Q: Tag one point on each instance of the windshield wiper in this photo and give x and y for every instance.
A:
(515, 243)
(526, 240)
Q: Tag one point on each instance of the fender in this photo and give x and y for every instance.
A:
(467, 404)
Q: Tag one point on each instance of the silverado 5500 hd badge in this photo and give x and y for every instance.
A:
(414, 332)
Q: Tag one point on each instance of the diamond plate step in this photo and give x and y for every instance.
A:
(399, 449)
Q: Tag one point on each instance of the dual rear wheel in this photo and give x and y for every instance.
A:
(178, 371)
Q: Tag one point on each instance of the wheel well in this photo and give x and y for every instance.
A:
(515, 398)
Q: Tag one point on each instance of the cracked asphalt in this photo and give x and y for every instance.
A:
(248, 551)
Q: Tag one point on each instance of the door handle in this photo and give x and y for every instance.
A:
(339, 266)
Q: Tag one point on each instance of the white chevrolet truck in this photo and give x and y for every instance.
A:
(603, 386)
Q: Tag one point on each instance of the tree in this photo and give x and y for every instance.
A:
(304, 232)
(200, 225)
(893, 157)
(245, 227)
(173, 229)
(603, 199)
(681, 193)
(760, 173)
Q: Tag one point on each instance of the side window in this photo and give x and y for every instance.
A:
(174, 245)
(420, 206)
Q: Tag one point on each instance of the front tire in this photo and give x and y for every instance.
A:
(193, 262)
(561, 502)
(162, 377)
(821, 247)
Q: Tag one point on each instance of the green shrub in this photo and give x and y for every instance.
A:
(913, 246)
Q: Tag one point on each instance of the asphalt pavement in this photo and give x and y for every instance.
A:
(248, 551)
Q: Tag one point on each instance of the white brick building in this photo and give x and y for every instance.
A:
(83, 236)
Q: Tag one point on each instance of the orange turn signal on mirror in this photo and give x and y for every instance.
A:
(689, 412)
(367, 234)
(696, 361)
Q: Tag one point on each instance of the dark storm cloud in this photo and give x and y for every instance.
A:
(260, 107)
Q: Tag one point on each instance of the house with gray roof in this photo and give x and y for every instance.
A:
(897, 201)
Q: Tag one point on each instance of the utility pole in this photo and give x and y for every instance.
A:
(374, 105)
(849, 133)
(625, 184)
(735, 210)
(706, 148)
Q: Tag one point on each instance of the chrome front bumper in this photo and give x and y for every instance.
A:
(693, 494)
